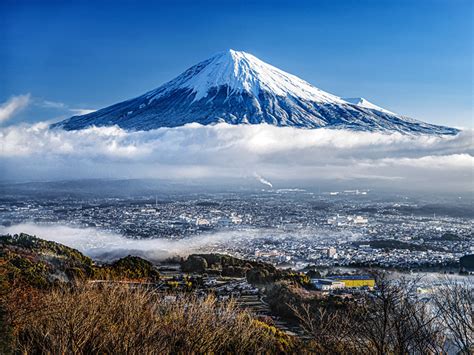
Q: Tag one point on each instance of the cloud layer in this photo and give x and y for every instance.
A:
(220, 151)
(12, 106)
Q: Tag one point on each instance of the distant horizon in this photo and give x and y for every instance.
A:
(142, 187)
(89, 56)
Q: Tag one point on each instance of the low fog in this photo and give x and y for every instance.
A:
(105, 246)
(102, 245)
(265, 152)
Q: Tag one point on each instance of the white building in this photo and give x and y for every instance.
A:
(202, 222)
(360, 220)
(327, 285)
(330, 252)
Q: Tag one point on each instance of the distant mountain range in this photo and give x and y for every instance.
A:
(238, 88)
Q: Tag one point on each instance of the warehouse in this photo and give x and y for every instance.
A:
(354, 280)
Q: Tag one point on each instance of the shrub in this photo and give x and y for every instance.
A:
(194, 263)
(128, 268)
(120, 319)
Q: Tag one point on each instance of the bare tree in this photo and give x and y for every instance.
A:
(393, 320)
(390, 320)
(328, 329)
(454, 303)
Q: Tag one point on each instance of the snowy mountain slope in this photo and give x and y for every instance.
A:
(361, 102)
(242, 72)
(237, 88)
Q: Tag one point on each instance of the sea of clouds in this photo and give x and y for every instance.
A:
(35, 152)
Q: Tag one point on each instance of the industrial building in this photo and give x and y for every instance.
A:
(352, 281)
(326, 284)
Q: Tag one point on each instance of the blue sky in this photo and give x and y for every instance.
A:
(412, 57)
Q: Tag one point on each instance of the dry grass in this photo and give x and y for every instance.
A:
(122, 320)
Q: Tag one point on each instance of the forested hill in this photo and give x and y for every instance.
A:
(41, 263)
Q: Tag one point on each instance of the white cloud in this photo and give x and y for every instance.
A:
(63, 106)
(104, 245)
(53, 104)
(222, 150)
(12, 106)
(81, 111)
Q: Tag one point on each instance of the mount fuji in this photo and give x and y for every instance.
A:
(238, 88)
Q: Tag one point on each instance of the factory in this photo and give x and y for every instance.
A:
(353, 281)
(327, 285)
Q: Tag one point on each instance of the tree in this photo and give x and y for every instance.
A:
(390, 320)
(328, 329)
(393, 320)
(194, 263)
(454, 304)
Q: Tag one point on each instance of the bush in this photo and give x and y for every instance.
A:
(194, 263)
(119, 319)
(128, 268)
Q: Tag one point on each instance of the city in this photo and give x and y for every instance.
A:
(288, 228)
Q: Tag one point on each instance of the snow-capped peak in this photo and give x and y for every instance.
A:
(241, 71)
(238, 88)
(361, 102)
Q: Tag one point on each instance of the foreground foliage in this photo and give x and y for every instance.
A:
(50, 304)
(42, 264)
(391, 320)
(119, 319)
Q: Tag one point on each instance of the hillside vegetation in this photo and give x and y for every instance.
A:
(121, 320)
(41, 263)
(256, 272)
(50, 303)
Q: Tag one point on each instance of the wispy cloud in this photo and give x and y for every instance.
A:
(52, 104)
(12, 106)
(81, 111)
(62, 106)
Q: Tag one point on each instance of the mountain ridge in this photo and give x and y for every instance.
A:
(238, 88)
